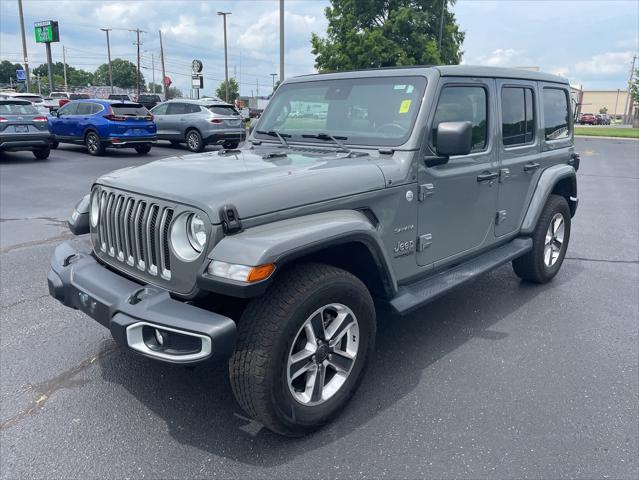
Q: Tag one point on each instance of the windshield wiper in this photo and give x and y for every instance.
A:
(274, 133)
(328, 136)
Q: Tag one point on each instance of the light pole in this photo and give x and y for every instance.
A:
(107, 30)
(441, 26)
(273, 75)
(24, 46)
(226, 58)
(281, 40)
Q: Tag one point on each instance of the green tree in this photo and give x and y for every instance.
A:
(603, 110)
(124, 74)
(387, 33)
(154, 87)
(634, 86)
(173, 92)
(75, 76)
(8, 71)
(234, 90)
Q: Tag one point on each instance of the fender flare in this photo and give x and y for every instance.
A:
(286, 240)
(545, 185)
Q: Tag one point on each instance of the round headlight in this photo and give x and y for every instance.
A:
(196, 231)
(94, 213)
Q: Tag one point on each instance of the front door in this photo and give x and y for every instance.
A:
(519, 151)
(458, 199)
(61, 126)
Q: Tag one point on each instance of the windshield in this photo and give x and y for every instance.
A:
(361, 111)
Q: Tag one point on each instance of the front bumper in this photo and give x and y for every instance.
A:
(134, 313)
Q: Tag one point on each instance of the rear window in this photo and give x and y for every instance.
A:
(58, 95)
(556, 114)
(79, 96)
(17, 109)
(119, 97)
(129, 109)
(30, 98)
(223, 110)
(149, 98)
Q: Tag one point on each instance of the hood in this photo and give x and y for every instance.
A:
(250, 180)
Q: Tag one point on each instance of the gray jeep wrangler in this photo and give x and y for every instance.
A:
(356, 191)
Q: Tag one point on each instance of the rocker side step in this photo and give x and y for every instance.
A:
(413, 296)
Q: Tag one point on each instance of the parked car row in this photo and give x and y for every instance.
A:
(594, 119)
(118, 123)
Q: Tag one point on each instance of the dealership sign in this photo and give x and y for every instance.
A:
(47, 31)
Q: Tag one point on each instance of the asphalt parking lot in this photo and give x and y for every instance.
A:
(499, 379)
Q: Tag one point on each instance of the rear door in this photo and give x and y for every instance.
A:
(82, 115)
(519, 148)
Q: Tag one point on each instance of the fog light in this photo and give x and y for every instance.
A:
(159, 337)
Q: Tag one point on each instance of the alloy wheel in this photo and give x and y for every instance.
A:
(323, 354)
(554, 240)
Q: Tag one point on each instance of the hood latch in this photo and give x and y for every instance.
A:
(230, 219)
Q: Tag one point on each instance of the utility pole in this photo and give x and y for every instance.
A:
(153, 70)
(273, 75)
(226, 58)
(64, 68)
(137, 43)
(616, 102)
(627, 111)
(281, 40)
(39, 87)
(164, 89)
(24, 46)
(257, 88)
(107, 30)
(441, 26)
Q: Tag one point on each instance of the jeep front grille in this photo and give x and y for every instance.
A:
(135, 231)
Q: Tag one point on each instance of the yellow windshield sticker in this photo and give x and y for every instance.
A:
(405, 106)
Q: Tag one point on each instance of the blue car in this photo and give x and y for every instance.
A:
(100, 124)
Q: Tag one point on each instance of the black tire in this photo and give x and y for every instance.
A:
(93, 143)
(194, 141)
(143, 149)
(54, 145)
(532, 266)
(231, 145)
(42, 153)
(267, 331)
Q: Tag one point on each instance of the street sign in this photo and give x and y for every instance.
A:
(197, 81)
(167, 81)
(47, 31)
(21, 76)
(196, 66)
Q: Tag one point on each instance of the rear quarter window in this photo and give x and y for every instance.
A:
(556, 113)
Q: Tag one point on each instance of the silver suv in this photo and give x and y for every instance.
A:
(198, 123)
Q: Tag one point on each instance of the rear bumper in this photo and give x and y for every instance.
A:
(130, 141)
(230, 136)
(25, 142)
(133, 312)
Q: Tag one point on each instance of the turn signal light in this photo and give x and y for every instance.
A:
(260, 273)
(241, 273)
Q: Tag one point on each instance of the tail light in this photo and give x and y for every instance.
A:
(63, 101)
(216, 120)
(115, 118)
(40, 119)
(3, 120)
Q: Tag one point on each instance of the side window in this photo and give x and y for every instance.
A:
(96, 108)
(192, 108)
(84, 108)
(160, 109)
(176, 109)
(460, 104)
(68, 109)
(556, 114)
(517, 116)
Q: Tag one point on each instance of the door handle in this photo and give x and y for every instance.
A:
(487, 176)
(529, 167)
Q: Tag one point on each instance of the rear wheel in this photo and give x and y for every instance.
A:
(143, 149)
(194, 141)
(42, 153)
(550, 241)
(302, 348)
(93, 144)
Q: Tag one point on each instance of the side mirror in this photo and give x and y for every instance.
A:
(454, 138)
(53, 113)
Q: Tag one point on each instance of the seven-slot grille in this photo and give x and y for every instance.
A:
(135, 231)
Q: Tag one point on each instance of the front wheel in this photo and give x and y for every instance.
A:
(42, 153)
(93, 144)
(302, 348)
(194, 141)
(550, 241)
(143, 149)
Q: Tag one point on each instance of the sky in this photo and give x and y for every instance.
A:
(591, 42)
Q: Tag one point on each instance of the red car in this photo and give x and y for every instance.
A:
(588, 119)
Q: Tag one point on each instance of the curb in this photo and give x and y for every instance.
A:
(606, 138)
